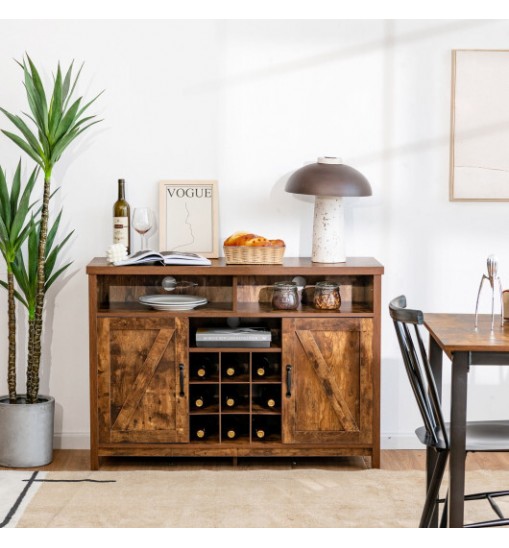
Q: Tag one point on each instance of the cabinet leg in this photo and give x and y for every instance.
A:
(375, 458)
(94, 461)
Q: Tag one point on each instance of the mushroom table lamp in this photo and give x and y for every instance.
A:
(329, 180)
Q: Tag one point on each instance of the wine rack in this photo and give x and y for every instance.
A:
(241, 393)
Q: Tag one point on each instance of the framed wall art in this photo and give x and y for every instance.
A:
(479, 167)
(188, 217)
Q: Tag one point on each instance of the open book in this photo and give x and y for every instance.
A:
(164, 258)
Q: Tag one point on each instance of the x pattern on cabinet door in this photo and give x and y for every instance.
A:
(139, 378)
(331, 373)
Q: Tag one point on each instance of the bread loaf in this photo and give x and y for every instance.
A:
(252, 240)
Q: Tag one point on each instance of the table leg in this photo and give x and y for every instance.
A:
(435, 360)
(460, 363)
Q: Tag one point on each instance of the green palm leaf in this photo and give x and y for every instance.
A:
(15, 189)
(23, 207)
(24, 146)
(5, 202)
(55, 109)
(25, 130)
(40, 94)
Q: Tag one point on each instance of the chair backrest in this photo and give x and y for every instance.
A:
(418, 369)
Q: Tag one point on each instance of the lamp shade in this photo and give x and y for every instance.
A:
(328, 177)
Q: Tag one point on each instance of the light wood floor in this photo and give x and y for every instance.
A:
(78, 460)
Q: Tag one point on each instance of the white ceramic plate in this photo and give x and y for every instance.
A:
(172, 302)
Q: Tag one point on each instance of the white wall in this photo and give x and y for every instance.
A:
(248, 102)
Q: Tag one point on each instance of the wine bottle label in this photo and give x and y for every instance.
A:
(230, 402)
(260, 433)
(271, 402)
(121, 230)
(199, 402)
(200, 433)
(201, 372)
(260, 371)
(231, 434)
(230, 371)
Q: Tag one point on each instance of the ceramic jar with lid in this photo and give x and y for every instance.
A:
(285, 296)
(327, 296)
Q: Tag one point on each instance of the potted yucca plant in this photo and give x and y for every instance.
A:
(27, 243)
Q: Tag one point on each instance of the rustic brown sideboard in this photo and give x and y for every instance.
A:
(323, 367)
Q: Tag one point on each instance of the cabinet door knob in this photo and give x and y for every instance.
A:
(181, 368)
(288, 381)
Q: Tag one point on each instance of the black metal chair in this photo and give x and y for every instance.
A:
(480, 435)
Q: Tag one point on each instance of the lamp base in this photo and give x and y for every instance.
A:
(328, 230)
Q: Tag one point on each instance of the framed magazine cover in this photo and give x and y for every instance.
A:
(188, 217)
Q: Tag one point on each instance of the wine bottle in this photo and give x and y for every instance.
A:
(266, 428)
(263, 369)
(204, 368)
(234, 427)
(202, 371)
(269, 399)
(231, 433)
(230, 371)
(200, 402)
(231, 400)
(122, 218)
(201, 433)
(236, 369)
(260, 433)
(270, 403)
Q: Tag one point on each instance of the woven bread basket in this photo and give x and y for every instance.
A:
(244, 254)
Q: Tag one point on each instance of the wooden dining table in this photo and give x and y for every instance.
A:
(455, 336)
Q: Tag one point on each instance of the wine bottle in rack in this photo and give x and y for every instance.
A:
(201, 371)
(122, 218)
(203, 367)
(201, 402)
(235, 397)
(230, 371)
(270, 402)
(266, 427)
(231, 399)
(260, 433)
(234, 428)
(263, 369)
(204, 427)
(269, 398)
(201, 433)
(235, 369)
(232, 433)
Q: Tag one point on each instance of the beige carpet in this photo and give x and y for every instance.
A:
(230, 498)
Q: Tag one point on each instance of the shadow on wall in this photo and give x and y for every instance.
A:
(390, 41)
(291, 206)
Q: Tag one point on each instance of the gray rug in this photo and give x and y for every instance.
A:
(226, 498)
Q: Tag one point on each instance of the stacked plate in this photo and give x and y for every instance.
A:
(172, 302)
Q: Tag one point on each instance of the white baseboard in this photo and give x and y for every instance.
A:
(400, 441)
(73, 440)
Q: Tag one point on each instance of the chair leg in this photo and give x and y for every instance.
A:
(443, 519)
(433, 489)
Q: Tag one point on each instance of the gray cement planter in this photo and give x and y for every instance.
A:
(26, 432)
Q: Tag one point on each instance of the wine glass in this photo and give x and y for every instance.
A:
(143, 221)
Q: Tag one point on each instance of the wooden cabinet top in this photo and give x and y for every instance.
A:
(354, 266)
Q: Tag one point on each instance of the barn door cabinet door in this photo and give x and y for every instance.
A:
(328, 387)
(142, 382)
